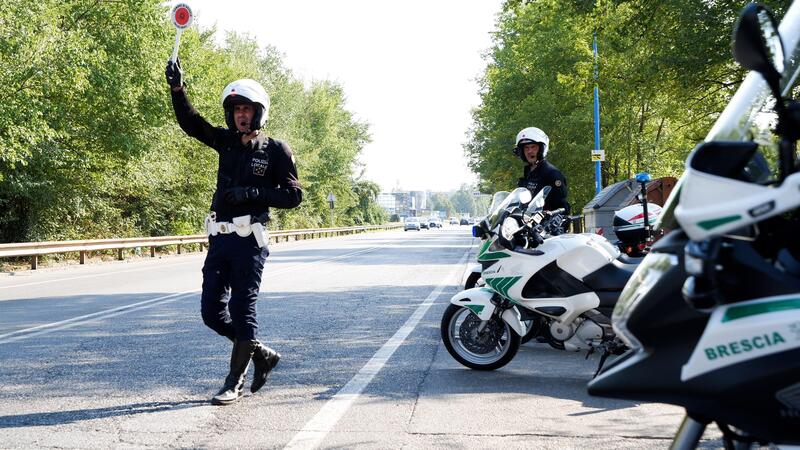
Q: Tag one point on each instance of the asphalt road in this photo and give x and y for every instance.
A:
(115, 355)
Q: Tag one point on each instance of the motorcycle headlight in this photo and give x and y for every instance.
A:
(653, 267)
(509, 227)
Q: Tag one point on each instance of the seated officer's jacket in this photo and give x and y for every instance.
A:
(546, 174)
(265, 163)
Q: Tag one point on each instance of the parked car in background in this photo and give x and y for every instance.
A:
(423, 224)
(411, 223)
(453, 221)
(464, 221)
(435, 222)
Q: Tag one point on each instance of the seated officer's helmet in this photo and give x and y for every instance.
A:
(532, 135)
(246, 91)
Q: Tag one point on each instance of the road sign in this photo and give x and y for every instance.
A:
(181, 18)
(598, 155)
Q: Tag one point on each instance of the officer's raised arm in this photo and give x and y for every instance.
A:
(190, 121)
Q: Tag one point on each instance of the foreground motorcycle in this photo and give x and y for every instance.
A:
(570, 282)
(712, 315)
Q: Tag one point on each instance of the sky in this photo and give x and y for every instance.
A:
(409, 69)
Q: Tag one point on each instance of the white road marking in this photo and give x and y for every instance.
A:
(93, 317)
(326, 418)
(81, 320)
(55, 280)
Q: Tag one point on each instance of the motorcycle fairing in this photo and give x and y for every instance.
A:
(745, 331)
(573, 306)
(584, 254)
(479, 301)
(712, 204)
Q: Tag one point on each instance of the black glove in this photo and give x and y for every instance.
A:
(240, 194)
(174, 74)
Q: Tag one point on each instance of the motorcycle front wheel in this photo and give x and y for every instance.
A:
(488, 349)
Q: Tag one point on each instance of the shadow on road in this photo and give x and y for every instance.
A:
(78, 415)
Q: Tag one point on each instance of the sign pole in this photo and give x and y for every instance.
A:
(331, 201)
(597, 180)
(181, 18)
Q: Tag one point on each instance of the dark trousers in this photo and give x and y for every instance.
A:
(231, 281)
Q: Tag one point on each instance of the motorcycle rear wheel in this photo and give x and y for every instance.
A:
(490, 349)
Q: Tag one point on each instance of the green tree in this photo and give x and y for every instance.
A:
(366, 209)
(463, 201)
(665, 72)
(89, 146)
(441, 202)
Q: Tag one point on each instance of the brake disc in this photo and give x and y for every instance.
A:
(482, 342)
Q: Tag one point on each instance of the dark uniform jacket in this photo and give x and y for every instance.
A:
(546, 174)
(265, 163)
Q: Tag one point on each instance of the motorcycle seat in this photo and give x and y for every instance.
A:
(611, 277)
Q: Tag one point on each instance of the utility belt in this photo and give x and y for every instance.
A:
(240, 225)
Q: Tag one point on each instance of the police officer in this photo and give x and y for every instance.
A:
(532, 145)
(255, 173)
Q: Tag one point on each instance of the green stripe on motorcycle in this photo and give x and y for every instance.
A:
(507, 283)
(713, 223)
(492, 256)
(475, 308)
(742, 311)
(502, 284)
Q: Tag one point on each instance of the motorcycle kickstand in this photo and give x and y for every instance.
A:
(603, 358)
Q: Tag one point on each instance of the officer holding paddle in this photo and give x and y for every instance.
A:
(255, 172)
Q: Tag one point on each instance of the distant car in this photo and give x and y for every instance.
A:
(464, 221)
(453, 221)
(411, 223)
(435, 222)
(423, 224)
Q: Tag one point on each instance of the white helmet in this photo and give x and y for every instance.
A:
(246, 91)
(532, 135)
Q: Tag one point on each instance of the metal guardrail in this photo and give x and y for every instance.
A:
(35, 249)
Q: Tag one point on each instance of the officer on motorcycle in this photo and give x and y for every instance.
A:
(255, 172)
(531, 147)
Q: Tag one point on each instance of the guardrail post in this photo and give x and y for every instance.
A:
(152, 252)
(179, 249)
(34, 262)
(83, 257)
(120, 256)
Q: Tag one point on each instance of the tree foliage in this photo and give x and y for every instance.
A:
(89, 146)
(664, 74)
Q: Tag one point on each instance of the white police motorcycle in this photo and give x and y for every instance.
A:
(570, 282)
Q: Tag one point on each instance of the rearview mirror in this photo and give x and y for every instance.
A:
(757, 45)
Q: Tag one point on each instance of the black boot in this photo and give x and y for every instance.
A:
(264, 360)
(234, 382)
